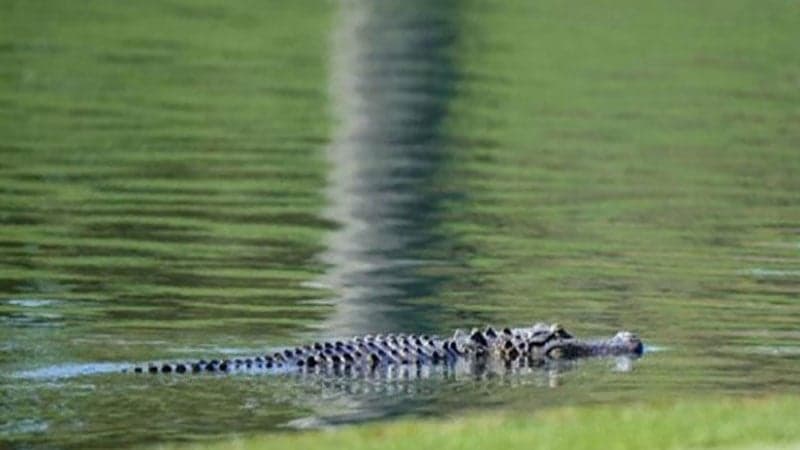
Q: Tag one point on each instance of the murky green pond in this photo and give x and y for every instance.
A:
(182, 179)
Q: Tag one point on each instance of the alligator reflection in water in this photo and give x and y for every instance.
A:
(391, 78)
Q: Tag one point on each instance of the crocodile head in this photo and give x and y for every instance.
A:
(623, 343)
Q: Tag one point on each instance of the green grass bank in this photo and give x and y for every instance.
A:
(708, 423)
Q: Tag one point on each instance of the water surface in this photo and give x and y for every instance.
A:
(185, 180)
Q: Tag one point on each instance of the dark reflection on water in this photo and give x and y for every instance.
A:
(392, 77)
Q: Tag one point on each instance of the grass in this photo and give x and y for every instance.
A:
(710, 423)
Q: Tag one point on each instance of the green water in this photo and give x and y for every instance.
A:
(187, 179)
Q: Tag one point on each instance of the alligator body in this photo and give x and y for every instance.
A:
(517, 347)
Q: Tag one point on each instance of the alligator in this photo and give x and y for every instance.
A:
(527, 346)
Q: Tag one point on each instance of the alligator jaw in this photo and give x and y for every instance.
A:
(623, 343)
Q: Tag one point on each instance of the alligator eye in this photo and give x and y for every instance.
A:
(559, 331)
